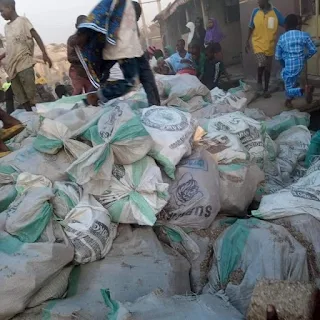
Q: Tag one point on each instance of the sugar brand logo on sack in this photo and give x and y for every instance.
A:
(108, 124)
(305, 194)
(187, 190)
(194, 164)
(165, 120)
(91, 241)
(118, 171)
(200, 211)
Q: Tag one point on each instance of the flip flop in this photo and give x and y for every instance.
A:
(3, 154)
(7, 134)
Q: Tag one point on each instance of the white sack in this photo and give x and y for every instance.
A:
(224, 147)
(301, 197)
(136, 265)
(29, 214)
(125, 142)
(28, 159)
(195, 199)
(158, 306)
(26, 269)
(136, 194)
(172, 131)
(306, 230)
(251, 250)
(238, 186)
(30, 120)
(227, 101)
(56, 134)
(293, 145)
(249, 132)
(285, 120)
(66, 196)
(8, 193)
(244, 90)
(90, 230)
(182, 86)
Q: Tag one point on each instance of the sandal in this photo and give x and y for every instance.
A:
(3, 154)
(7, 134)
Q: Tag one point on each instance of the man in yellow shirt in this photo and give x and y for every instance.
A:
(263, 28)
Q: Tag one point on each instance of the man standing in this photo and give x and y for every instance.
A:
(263, 28)
(20, 36)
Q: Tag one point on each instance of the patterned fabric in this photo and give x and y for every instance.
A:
(293, 50)
(101, 26)
(263, 60)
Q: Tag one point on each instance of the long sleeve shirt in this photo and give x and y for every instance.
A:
(294, 48)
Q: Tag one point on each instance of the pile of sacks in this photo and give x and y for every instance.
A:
(127, 210)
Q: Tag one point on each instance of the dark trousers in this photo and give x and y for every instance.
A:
(9, 101)
(130, 68)
(148, 81)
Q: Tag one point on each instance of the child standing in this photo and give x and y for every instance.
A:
(293, 50)
(20, 36)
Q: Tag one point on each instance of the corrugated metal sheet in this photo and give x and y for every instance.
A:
(172, 7)
(169, 10)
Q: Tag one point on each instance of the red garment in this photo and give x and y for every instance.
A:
(79, 83)
(192, 72)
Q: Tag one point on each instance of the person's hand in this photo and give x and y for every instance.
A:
(92, 99)
(272, 313)
(248, 47)
(47, 60)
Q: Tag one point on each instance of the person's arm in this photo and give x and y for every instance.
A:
(251, 29)
(279, 51)
(281, 18)
(39, 41)
(312, 49)
(72, 56)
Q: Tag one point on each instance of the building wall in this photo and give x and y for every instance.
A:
(246, 7)
(174, 27)
(231, 45)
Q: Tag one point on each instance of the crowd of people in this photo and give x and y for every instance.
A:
(203, 58)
